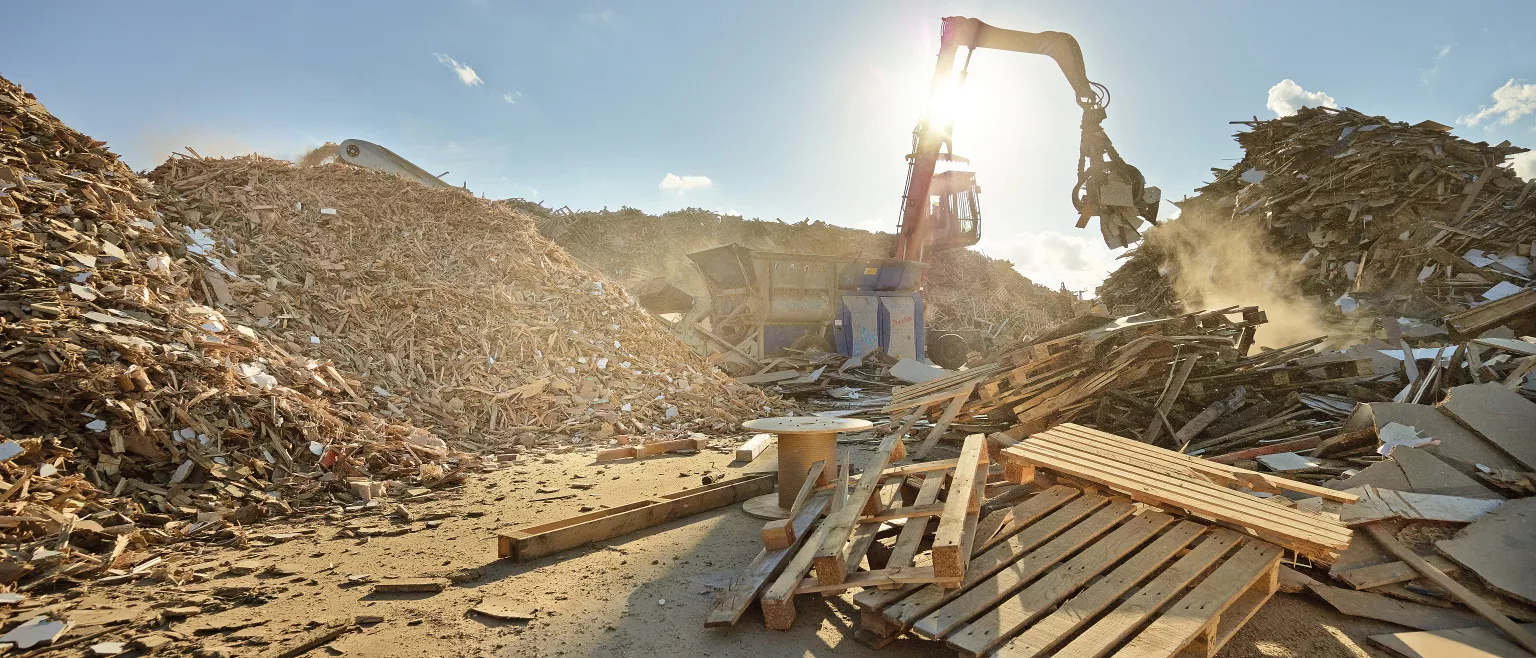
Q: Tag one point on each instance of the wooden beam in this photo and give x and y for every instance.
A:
(547, 538)
(1521, 636)
(962, 506)
(753, 447)
(1176, 378)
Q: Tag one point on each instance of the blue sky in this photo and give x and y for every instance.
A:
(789, 109)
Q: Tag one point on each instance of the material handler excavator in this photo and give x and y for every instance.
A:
(940, 210)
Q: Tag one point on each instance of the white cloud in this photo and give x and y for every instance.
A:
(597, 17)
(1051, 258)
(675, 183)
(1510, 102)
(512, 97)
(1524, 164)
(1286, 97)
(466, 75)
(1427, 76)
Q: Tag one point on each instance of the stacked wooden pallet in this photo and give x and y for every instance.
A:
(1166, 478)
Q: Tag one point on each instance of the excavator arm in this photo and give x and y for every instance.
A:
(1106, 186)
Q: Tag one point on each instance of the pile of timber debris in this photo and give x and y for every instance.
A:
(1382, 219)
(456, 314)
(1187, 382)
(132, 415)
(965, 291)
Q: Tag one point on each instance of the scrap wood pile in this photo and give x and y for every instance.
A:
(453, 311)
(965, 290)
(133, 415)
(1384, 219)
(1052, 555)
(1191, 382)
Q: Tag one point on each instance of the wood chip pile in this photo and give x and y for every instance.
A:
(1401, 220)
(455, 313)
(131, 413)
(966, 291)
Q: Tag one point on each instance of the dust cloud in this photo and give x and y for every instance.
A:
(1218, 262)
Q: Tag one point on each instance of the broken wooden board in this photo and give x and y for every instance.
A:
(403, 585)
(1169, 481)
(1380, 504)
(1499, 414)
(1458, 446)
(1402, 613)
(1417, 470)
(1480, 642)
(1489, 545)
(547, 538)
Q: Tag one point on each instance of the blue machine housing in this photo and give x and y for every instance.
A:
(891, 321)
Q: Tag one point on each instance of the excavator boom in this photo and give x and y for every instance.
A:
(1106, 186)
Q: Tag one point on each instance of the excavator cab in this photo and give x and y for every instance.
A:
(954, 210)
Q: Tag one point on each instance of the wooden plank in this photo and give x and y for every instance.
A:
(895, 513)
(996, 625)
(1199, 611)
(957, 525)
(1310, 535)
(1027, 512)
(1389, 573)
(750, 582)
(753, 447)
(912, 533)
(875, 579)
(674, 445)
(1402, 613)
(1455, 643)
(1170, 395)
(927, 599)
(1128, 616)
(840, 492)
(1273, 448)
(544, 539)
(1380, 504)
(1251, 479)
(987, 593)
(1476, 603)
(864, 535)
(781, 533)
(831, 556)
(1044, 635)
(948, 417)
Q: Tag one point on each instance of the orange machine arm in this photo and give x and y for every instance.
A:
(929, 137)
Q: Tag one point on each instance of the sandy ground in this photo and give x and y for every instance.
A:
(642, 594)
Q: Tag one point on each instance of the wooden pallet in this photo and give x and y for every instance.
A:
(836, 549)
(1085, 576)
(1172, 480)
